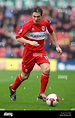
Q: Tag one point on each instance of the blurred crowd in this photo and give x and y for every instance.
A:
(62, 20)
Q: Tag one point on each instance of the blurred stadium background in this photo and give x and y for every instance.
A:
(60, 13)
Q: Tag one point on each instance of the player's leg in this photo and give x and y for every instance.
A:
(44, 63)
(44, 80)
(19, 79)
(27, 66)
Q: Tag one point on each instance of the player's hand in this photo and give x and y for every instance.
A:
(34, 43)
(59, 50)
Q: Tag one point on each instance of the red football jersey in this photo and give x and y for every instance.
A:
(35, 32)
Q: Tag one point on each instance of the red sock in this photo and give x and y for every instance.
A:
(17, 82)
(44, 82)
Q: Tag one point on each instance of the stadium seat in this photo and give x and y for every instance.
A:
(63, 38)
(2, 52)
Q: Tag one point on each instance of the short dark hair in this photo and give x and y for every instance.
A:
(37, 9)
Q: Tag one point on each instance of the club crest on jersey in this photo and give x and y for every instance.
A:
(32, 28)
(43, 28)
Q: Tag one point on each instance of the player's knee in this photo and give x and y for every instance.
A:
(46, 69)
(25, 76)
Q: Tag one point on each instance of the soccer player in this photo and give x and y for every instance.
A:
(32, 36)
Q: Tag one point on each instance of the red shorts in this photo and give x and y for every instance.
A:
(30, 58)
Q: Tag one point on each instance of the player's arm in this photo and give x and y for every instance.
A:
(21, 33)
(50, 29)
(25, 41)
(56, 43)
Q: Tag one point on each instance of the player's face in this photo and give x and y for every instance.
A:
(36, 17)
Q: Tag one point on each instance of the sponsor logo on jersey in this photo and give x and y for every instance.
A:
(36, 35)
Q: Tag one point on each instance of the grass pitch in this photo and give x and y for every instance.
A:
(61, 83)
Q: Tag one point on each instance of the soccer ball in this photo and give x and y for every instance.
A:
(52, 99)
